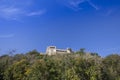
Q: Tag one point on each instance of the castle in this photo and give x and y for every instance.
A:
(52, 50)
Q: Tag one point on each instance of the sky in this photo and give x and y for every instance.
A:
(35, 24)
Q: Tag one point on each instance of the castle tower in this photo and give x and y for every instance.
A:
(51, 50)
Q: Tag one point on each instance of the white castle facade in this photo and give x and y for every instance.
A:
(52, 50)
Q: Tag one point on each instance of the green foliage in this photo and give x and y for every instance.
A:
(17, 70)
(77, 66)
(81, 51)
(112, 66)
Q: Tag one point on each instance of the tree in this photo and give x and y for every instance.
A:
(81, 51)
(38, 71)
(17, 71)
(112, 66)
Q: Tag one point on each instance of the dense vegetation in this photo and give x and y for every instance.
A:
(76, 66)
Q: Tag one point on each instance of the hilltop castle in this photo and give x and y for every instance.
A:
(52, 50)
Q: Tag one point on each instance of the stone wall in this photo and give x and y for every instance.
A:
(52, 50)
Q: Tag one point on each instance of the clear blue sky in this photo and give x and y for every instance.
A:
(35, 24)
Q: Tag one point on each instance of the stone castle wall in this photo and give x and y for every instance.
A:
(52, 50)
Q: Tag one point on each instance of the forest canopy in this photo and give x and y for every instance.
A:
(76, 66)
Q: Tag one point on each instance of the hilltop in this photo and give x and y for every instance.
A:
(77, 66)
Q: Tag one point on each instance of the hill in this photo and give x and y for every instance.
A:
(76, 66)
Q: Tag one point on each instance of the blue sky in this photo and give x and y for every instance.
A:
(35, 24)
